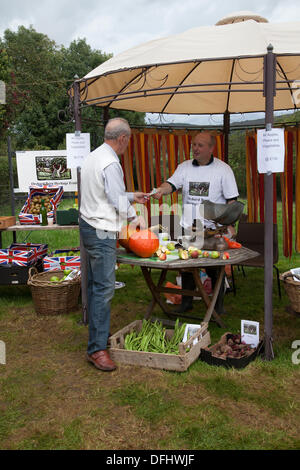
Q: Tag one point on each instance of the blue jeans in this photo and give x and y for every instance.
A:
(101, 249)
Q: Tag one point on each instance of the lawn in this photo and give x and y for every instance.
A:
(51, 398)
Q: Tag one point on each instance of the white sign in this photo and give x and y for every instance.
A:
(270, 151)
(45, 167)
(296, 274)
(78, 147)
(190, 330)
(250, 332)
(2, 93)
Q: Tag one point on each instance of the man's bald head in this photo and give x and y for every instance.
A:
(115, 128)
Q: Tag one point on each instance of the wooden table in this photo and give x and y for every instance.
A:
(191, 265)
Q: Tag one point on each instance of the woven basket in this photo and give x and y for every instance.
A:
(53, 298)
(292, 288)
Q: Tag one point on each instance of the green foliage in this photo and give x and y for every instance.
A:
(38, 74)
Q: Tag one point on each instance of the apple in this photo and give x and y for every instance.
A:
(226, 255)
(194, 254)
(165, 239)
(215, 254)
(163, 256)
(54, 279)
(183, 254)
(205, 254)
(67, 271)
(171, 246)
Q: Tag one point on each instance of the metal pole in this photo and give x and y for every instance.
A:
(83, 253)
(269, 93)
(226, 130)
(11, 182)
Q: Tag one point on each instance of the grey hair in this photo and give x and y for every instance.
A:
(115, 128)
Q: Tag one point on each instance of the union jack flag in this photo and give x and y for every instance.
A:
(59, 263)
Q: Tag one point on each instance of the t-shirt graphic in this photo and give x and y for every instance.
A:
(198, 189)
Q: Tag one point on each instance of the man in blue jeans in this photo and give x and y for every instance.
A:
(104, 207)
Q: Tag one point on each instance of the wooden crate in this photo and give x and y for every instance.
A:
(7, 221)
(180, 362)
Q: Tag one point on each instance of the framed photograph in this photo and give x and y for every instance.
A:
(189, 331)
(250, 332)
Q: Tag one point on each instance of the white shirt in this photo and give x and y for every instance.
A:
(214, 182)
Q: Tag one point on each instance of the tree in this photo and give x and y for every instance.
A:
(41, 73)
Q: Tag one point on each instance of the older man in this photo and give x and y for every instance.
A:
(203, 178)
(104, 207)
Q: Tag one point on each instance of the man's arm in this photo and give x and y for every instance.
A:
(163, 190)
(115, 192)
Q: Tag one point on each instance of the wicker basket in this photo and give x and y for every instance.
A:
(53, 298)
(292, 288)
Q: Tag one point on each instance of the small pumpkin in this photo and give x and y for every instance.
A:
(143, 243)
(124, 235)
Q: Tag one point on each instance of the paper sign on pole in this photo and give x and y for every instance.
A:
(78, 147)
(270, 151)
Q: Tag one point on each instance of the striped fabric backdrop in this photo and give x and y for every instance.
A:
(152, 157)
(255, 187)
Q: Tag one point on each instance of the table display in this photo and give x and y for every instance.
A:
(190, 264)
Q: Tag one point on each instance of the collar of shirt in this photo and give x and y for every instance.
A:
(195, 163)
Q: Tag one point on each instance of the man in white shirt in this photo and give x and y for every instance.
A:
(104, 207)
(203, 178)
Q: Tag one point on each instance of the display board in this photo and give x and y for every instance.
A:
(45, 167)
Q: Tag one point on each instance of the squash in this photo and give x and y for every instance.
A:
(124, 235)
(143, 243)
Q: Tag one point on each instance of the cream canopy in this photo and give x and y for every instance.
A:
(226, 68)
(205, 70)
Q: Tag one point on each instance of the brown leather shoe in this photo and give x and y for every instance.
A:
(101, 360)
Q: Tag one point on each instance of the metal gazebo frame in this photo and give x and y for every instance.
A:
(269, 88)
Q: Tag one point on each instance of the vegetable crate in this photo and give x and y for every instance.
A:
(35, 194)
(22, 254)
(68, 217)
(188, 351)
(11, 274)
(7, 221)
(62, 259)
(209, 355)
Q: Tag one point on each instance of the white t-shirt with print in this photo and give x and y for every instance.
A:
(214, 182)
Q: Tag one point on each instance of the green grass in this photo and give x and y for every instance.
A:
(50, 398)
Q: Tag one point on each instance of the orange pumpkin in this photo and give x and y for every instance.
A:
(143, 243)
(124, 235)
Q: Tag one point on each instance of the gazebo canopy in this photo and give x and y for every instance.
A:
(205, 70)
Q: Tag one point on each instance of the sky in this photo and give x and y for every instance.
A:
(114, 27)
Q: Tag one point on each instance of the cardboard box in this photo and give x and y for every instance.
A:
(22, 254)
(188, 352)
(57, 262)
(55, 192)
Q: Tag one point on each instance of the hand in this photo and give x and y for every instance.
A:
(158, 194)
(140, 197)
(231, 232)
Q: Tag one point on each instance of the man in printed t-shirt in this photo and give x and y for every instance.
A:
(203, 178)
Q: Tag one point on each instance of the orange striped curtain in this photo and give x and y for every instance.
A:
(153, 155)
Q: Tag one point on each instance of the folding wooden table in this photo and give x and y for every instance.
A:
(191, 265)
